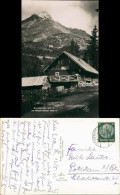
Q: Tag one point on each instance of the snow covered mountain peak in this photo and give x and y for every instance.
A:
(44, 15)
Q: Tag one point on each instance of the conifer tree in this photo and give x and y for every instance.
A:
(91, 53)
(74, 48)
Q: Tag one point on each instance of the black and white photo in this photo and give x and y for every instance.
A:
(60, 62)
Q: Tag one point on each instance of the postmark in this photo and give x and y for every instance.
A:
(104, 134)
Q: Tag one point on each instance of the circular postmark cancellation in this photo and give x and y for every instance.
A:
(104, 134)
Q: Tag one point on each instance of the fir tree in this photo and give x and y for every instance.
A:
(91, 53)
(74, 48)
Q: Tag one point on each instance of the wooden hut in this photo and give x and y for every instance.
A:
(69, 70)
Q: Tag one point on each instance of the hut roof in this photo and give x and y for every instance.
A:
(33, 81)
(79, 62)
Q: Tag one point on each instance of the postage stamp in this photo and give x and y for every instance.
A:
(106, 132)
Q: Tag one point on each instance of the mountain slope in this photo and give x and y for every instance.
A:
(41, 28)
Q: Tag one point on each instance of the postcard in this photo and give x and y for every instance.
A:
(60, 156)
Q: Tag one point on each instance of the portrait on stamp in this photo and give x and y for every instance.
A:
(106, 132)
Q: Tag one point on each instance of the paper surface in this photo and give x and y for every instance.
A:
(59, 156)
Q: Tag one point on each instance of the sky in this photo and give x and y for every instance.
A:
(73, 14)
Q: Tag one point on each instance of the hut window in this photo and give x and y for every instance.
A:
(67, 61)
(59, 62)
(56, 74)
(64, 67)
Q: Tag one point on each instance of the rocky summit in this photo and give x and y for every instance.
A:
(41, 28)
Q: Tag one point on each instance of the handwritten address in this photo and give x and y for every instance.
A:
(81, 169)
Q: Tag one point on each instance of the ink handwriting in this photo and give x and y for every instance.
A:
(29, 158)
